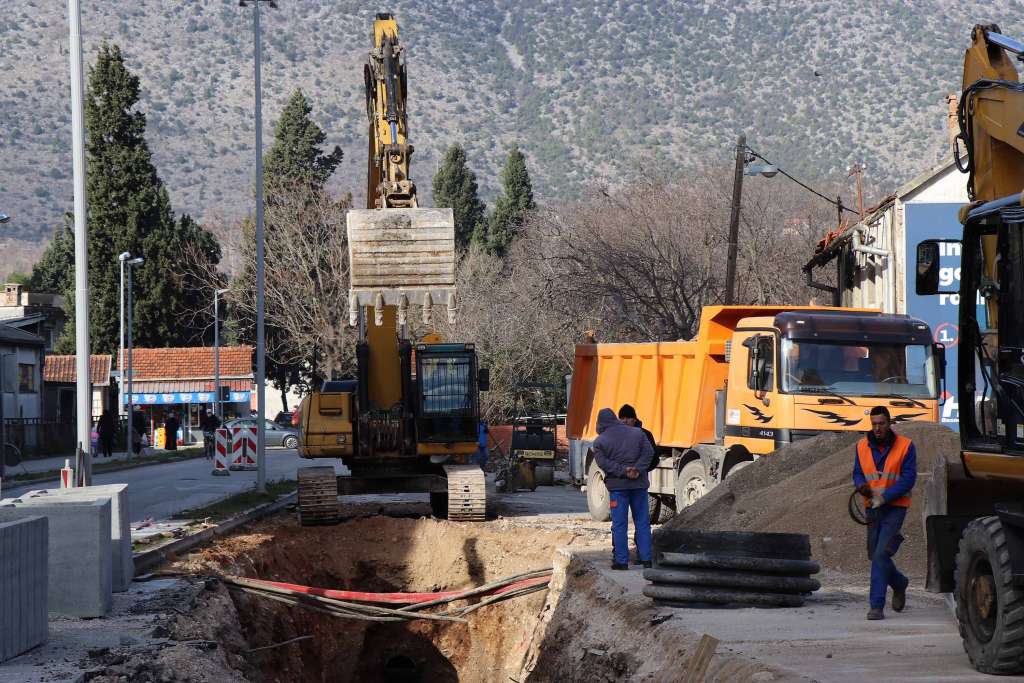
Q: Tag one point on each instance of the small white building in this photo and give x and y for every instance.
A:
(874, 259)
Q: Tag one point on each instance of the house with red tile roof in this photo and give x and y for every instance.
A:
(60, 377)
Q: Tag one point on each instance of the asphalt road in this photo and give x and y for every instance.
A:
(160, 491)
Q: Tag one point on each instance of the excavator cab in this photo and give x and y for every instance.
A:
(448, 382)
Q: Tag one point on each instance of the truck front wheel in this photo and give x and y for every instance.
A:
(597, 494)
(989, 608)
(691, 484)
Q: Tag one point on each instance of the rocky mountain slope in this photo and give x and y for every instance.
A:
(594, 92)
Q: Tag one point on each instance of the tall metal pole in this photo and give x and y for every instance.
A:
(218, 406)
(734, 220)
(261, 437)
(83, 389)
(131, 397)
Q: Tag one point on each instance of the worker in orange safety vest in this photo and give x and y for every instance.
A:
(884, 472)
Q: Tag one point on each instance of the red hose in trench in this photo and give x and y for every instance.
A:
(393, 598)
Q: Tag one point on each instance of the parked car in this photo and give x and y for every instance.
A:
(277, 435)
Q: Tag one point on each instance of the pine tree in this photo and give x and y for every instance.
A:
(50, 272)
(129, 210)
(455, 187)
(515, 202)
(295, 155)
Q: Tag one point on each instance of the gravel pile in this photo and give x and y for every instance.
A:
(805, 488)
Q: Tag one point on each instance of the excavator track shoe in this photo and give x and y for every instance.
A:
(318, 496)
(467, 493)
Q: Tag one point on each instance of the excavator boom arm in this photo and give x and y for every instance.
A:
(991, 116)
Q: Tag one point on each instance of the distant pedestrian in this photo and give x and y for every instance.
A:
(139, 430)
(884, 472)
(482, 453)
(209, 423)
(106, 428)
(171, 425)
(624, 454)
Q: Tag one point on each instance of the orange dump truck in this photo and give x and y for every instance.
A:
(751, 380)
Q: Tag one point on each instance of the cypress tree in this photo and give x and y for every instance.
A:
(455, 187)
(515, 201)
(295, 163)
(295, 155)
(129, 210)
(50, 272)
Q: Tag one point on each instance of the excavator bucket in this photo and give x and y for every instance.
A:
(401, 258)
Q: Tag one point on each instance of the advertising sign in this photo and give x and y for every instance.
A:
(938, 221)
(185, 397)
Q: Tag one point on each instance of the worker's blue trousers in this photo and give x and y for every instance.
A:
(884, 538)
(621, 503)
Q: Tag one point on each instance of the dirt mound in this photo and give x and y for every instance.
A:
(805, 488)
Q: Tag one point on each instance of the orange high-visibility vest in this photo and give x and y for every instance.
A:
(880, 481)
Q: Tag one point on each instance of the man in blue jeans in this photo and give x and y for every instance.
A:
(884, 472)
(624, 453)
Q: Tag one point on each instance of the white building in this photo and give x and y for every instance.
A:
(874, 260)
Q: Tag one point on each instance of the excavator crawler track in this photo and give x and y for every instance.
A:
(467, 493)
(318, 496)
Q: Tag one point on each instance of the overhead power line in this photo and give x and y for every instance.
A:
(833, 202)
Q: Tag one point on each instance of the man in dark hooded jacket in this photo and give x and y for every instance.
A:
(624, 454)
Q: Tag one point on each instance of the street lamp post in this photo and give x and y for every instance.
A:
(121, 258)
(261, 369)
(743, 157)
(131, 263)
(219, 405)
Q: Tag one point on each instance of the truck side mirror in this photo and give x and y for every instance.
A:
(483, 379)
(927, 268)
(939, 352)
(932, 276)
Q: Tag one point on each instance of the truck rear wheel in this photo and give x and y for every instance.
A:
(659, 510)
(691, 484)
(989, 608)
(598, 500)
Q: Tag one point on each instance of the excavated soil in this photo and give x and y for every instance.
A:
(584, 627)
(805, 488)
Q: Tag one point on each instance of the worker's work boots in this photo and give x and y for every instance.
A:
(899, 600)
(875, 613)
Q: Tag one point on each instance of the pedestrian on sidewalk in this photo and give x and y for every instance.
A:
(105, 428)
(171, 432)
(884, 472)
(624, 454)
(139, 430)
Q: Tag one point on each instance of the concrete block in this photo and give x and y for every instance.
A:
(122, 564)
(78, 580)
(23, 571)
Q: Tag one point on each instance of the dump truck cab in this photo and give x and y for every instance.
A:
(752, 379)
(799, 373)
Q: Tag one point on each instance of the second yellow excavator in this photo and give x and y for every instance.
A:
(409, 421)
(975, 505)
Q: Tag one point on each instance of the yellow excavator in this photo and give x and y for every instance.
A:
(974, 509)
(409, 421)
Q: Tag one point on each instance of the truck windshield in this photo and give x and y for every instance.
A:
(865, 370)
(446, 384)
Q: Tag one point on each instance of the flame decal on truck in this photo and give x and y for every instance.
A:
(834, 418)
(758, 415)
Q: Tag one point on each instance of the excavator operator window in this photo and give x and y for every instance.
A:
(447, 395)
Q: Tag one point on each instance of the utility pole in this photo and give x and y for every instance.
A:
(734, 219)
(219, 405)
(856, 172)
(83, 390)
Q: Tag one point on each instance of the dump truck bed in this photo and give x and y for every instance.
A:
(672, 385)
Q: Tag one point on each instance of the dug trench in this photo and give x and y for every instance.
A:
(573, 630)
